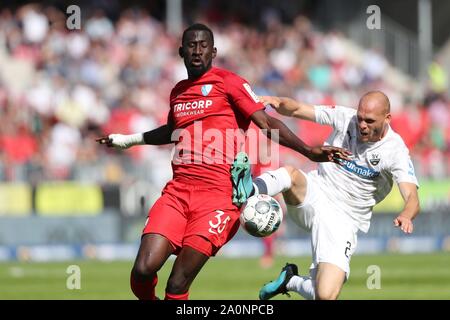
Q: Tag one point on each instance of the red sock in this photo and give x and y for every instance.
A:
(171, 296)
(144, 290)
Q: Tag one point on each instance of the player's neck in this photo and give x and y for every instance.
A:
(194, 77)
(382, 135)
(385, 131)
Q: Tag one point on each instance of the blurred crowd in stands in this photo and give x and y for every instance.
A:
(60, 89)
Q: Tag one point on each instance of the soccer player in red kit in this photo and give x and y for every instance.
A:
(195, 215)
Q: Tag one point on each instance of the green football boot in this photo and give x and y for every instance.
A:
(278, 285)
(242, 179)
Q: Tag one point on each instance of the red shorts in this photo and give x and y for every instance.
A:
(201, 217)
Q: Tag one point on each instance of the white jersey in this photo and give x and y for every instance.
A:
(356, 186)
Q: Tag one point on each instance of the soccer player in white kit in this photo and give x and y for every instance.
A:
(336, 201)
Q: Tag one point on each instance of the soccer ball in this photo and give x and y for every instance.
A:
(261, 216)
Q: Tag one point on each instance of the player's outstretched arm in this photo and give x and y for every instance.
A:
(158, 136)
(288, 139)
(289, 107)
(411, 208)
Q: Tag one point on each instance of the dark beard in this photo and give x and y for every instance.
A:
(197, 72)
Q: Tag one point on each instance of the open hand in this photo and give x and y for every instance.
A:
(404, 223)
(277, 103)
(270, 100)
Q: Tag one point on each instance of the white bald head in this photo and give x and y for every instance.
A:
(373, 116)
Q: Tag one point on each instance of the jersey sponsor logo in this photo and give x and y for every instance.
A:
(191, 108)
(360, 171)
(251, 93)
(206, 89)
(188, 113)
(374, 158)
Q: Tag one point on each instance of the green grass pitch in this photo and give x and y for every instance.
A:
(424, 276)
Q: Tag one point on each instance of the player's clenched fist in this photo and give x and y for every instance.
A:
(329, 153)
(122, 141)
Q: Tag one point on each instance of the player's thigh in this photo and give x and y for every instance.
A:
(329, 281)
(167, 217)
(153, 252)
(298, 190)
(333, 239)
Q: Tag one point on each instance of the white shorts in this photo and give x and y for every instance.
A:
(333, 236)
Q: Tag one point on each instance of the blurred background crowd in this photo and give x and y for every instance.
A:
(60, 89)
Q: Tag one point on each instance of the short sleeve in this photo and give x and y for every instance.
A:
(335, 116)
(242, 96)
(402, 168)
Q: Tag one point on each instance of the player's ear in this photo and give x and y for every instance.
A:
(180, 52)
(214, 52)
(388, 118)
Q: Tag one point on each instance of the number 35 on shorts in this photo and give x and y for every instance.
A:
(218, 223)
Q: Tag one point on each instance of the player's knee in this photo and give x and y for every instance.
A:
(291, 170)
(294, 174)
(327, 293)
(144, 269)
(178, 284)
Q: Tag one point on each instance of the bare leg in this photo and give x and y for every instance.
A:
(153, 252)
(329, 281)
(329, 278)
(297, 192)
(186, 267)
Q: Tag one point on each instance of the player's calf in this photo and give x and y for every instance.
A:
(186, 267)
(178, 286)
(144, 290)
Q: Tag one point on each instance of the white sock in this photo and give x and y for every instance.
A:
(255, 189)
(273, 182)
(304, 286)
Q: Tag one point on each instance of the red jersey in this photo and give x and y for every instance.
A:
(207, 114)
